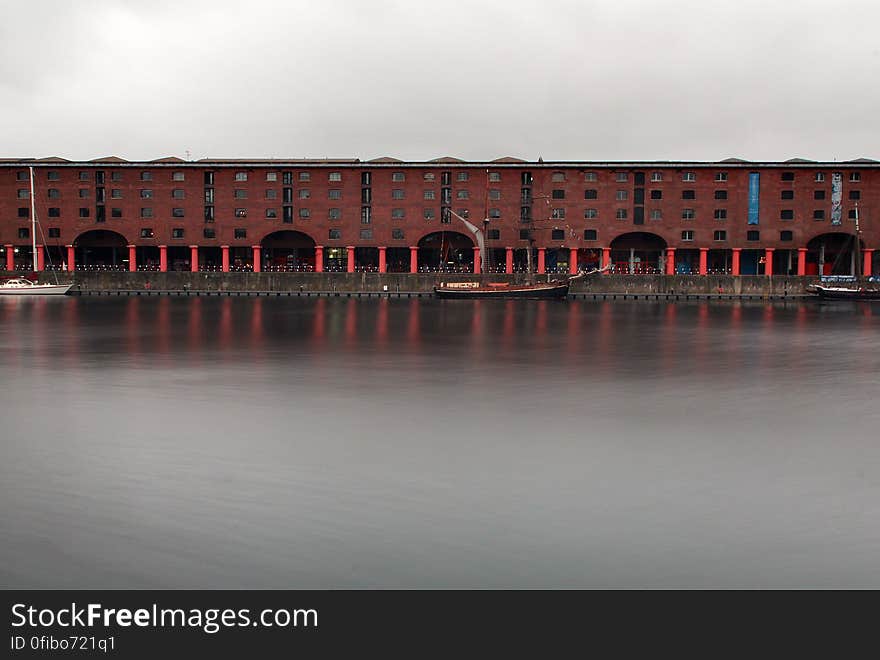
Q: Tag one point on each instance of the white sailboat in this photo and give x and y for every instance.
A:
(20, 286)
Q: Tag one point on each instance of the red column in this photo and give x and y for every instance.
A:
(768, 261)
(224, 259)
(573, 261)
(802, 261)
(383, 266)
(413, 259)
(40, 258)
(349, 252)
(71, 259)
(606, 258)
(704, 261)
(477, 260)
(132, 258)
(542, 261)
(734, 264)
(194, 258)
(163, 258)
(866, 269)
(508, 260)
(670, 261)
(10, 257)
(258, 258)
(319, 258)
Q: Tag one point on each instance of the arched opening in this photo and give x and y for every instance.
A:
(446, 252)
(833, 254)
(288, 251)
(101, 249)
(638, 253)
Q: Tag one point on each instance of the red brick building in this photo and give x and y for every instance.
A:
(731, 216)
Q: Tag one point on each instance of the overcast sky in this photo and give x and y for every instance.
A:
(559, 79)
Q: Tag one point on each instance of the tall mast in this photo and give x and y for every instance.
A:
(857, 254)
(33, 221)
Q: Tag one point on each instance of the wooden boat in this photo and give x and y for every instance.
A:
(501, 290)
(844, 292)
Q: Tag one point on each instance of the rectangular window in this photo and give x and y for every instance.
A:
(146, 176)
(83, 193)
(22, 175)
(83, 212)
(620, 177)
(445, 178)
(558, 177)
(525, 178)
(366, 195)
(494, 194)
(146, 212)
(24, 232)
(494, 177)
(398, 177)
(115, 213)
(688, 176)
(818, 194)
(621, 195)
(287, 214)
(209, 232)
(786, 235)
(590, 213)
(209, 195)
(241, 213)
(855, 177)
(209, 178)
(461, 176)
(241, 176)
(818, 214)
(334, 214)
(656, 176)
(556, 234)
(786, 214)
(54, 232)
(287, 195)
(656, 194)
(557, 214)
(494, 213)
(688, 194)
(334, 176)
(54, 212)
(558, 194)
(240, 193)
(591, 234)
(304, 193)
(397, 214)
(687, 235)
(397, 193)
(209, 214)
(115, 193)
(721, 214)
(271, 193)
(462, 194)
(687, 214)
(820, 177)
(177, 213)
(146, 232)
(753, 235)
(721, 176)
(429, 214)
(366, 234)
(429, 194)
(178, 176)
(84, 176)
(271, 213)
(787, 194)
(621, 214)
(720, 235)
(494, 234)
(305, 214)
(286, 178)
(428, 176)
(366, 178)
(656, 214)
(146, 193)
(591, 194)
(397, 234)
(54, 193)
(177, 232)
(178, 193)
(590, 176)
(720, 194)
(52, 175)
(788, 176)
(524, 235)
(855, 194)
(335, 194)
(334, 234)
(240, 232)
(24, 212)
(852, 214)
(271, 176)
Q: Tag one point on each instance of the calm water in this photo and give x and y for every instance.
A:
(266, 443)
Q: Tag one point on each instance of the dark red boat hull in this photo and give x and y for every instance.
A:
(537, 291)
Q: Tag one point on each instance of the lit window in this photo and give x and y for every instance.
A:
(620, 177)
(689, 176)
(461, 176)
(241, 176)
(620, 214)
(335, 176)
(305, 213)
(721, 176)
(429, 194)
(622, 195)
(687, 214)
(656, 214)
(305, 176)
(820, 177)
(398, 176)
(557, 214)
(271, 176)
(590, 176)
(656, 176)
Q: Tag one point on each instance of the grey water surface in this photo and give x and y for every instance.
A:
(333, 442)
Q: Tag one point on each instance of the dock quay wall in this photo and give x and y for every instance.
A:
(703, 285)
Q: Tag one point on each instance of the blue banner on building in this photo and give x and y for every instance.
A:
(754, 197)
(836, 197)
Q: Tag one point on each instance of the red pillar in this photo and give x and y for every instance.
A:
(224, 259)
(71, 259)
(734, 264)
(542, 261)
(802, 261)
(383, 266)
(319, 258)
(768, 261)
(413, 259)
(704, 261)
(132, 258)
(477, 260)
(194, 258)
(349, 253)
(670, 261)
(10, 257)
(163, 258)
(606, 258)
(572, 261)
(867, 267)
(41, 257)
(258, 258)
(508, 260)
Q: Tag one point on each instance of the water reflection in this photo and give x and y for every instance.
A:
(332, 442)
